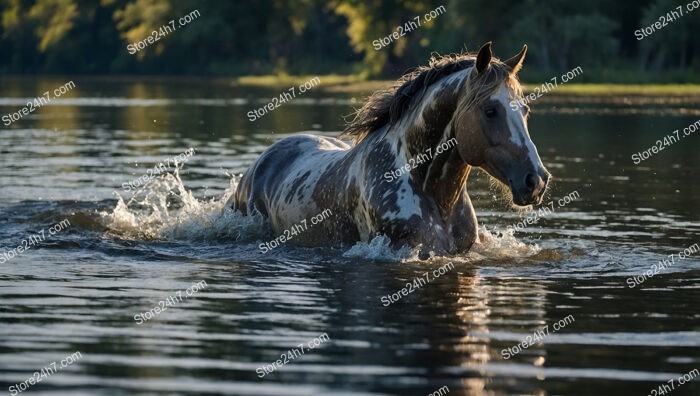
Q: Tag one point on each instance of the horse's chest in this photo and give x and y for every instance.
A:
(397, 203)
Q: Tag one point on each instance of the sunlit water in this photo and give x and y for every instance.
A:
(126, 251)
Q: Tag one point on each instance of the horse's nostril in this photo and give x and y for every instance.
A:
(531, 180)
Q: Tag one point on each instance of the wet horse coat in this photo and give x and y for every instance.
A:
(463, 98)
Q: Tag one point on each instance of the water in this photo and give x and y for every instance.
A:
(122, 254)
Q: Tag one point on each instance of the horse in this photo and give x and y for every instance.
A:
(400, 176)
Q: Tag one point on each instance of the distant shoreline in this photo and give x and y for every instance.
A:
(337, 83)
(358, 84)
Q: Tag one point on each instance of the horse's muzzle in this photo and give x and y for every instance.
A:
(530, 188)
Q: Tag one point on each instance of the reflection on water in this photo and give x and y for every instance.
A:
(80, 289)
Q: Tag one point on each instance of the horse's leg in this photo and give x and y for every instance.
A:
(457, 236)
(238, 200)
(464, 225)
(426, 231)
(247, 198)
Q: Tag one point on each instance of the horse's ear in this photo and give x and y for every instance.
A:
(483, 58)
(516, 63)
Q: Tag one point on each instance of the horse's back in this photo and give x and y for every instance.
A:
(288, 165)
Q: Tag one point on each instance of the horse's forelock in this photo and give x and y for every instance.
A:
(480, 86)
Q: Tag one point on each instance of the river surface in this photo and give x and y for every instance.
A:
(97, 260)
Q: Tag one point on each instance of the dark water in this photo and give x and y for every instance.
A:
(80, 288)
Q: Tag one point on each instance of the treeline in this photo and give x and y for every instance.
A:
(315, 37)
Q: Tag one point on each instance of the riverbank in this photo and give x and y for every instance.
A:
(357, 84)
(339, 83)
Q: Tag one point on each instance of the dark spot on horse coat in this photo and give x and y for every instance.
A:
(299, 182)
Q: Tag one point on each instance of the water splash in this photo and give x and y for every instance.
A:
(165, 210)
(501, 244)
(379, 248)
(497, 245)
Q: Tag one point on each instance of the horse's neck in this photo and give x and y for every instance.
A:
(420, 132)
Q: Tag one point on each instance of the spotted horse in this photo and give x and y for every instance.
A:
(460, 98)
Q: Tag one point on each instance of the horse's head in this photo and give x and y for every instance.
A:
(492, 134)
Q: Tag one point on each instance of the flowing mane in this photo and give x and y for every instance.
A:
(389, 105)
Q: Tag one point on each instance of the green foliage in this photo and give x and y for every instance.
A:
(286, 37)
(562, 36)
(141, 17)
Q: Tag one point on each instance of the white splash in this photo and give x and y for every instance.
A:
(379, 248)
(497, 245)
(501, 244)
(165, 210)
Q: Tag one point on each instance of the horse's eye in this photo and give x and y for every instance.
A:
(490, 112)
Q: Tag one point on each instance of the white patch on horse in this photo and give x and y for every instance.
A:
(302, 205)
(519, 135)
(415, 118)
(428, 98)
(407, 201)
(446, 136)
(459, 76)
(362, 222)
